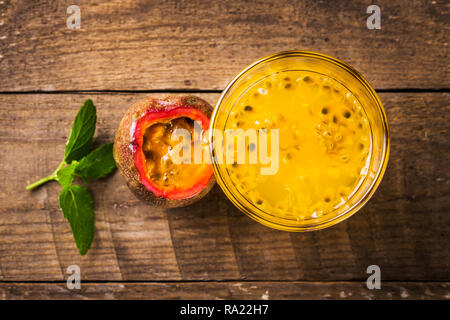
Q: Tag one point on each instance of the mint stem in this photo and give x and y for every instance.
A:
(51, 177)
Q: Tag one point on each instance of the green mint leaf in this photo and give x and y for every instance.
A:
(65, 175)
(78, 207)
(96, 164)
(83, 128)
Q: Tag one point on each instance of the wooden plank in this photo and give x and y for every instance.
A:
(202, 241)
(166, 44)
(403, 229)
(265, 290)
(38, 257)
(262, 253)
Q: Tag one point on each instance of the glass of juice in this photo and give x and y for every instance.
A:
(304, 141)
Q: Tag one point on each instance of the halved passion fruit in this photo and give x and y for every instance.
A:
(143, 150)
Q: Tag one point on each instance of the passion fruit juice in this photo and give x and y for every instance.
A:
(324, 144)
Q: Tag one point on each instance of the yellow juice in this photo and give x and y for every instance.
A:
(324, 144)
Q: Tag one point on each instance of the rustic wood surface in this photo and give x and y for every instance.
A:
(264, 290)
(201, 44)
(129, 49)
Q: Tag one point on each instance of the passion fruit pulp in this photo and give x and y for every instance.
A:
(143, 150)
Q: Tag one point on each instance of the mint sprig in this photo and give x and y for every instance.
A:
(75, 201)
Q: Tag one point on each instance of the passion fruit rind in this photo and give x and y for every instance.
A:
(125, 146)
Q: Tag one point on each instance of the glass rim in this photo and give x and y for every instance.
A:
(379, 173)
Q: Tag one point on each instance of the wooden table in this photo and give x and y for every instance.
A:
(129, 49)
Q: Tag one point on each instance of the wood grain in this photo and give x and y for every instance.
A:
(186, 44)
(403, 229)
(264, 290)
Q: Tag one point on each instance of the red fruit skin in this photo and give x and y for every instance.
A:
(124, 146)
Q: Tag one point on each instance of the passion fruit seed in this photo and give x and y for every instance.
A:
(149, 154)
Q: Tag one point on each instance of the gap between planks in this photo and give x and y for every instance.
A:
(199, 91)
(306, 281)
